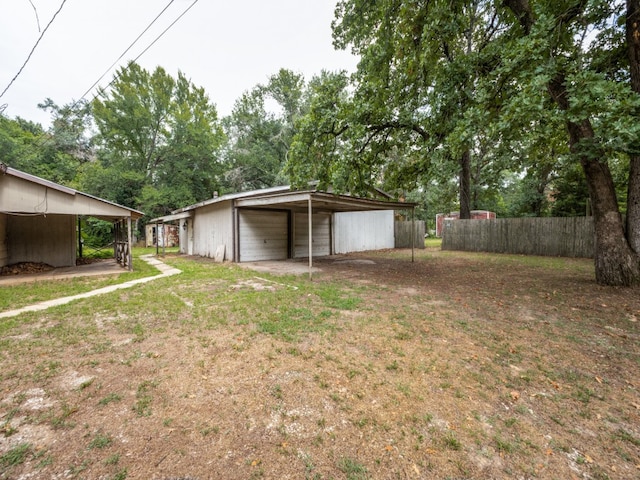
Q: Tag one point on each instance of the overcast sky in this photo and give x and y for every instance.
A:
(225, 46)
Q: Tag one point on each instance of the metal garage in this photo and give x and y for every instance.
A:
(278, 223)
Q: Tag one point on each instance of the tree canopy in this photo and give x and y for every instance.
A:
(260, 131)
(158, 135)
(522, 107)
(508, 95)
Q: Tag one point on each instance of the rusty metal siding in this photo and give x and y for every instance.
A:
(321, 225)
(166, 235)
(361, 231)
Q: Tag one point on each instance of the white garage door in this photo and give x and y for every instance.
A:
(263, 235)
(321, 225)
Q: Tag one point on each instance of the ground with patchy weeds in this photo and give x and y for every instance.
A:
(458, 365)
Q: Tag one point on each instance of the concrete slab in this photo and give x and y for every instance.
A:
(280, 267)
(165, 270)
(106, 267)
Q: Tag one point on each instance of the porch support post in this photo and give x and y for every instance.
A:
(164, 240)
(310, 238)
(79, 236)
(129, 244)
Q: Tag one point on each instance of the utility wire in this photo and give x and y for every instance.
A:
(135, 59)
(35, 10)
(125, 52)
(33, 49)
(151, 44)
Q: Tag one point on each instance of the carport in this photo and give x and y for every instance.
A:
(38, 220)
(311, 203)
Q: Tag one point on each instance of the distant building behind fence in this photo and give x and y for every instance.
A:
(475, 215)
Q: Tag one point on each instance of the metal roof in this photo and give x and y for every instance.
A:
(286, 197)
(32, 198)
(233, 196)
(170, 218)
(321, 201)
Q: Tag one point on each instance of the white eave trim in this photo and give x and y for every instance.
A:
(171, 218)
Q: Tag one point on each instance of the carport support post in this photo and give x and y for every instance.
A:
(310, 239)
(164, 240)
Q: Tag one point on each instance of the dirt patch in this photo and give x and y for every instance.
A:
(453, 366)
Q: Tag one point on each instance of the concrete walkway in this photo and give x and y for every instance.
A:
(165, 271)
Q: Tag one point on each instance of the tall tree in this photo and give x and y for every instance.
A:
(438, 81)
(70, 127)
(633, 195)
(413, 93)
(55, 154)
(161, 136)
(549, 41)
(261, 128)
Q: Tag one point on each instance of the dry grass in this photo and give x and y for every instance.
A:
(456, 366)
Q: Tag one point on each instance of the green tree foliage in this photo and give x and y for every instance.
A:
(499, 93)
(548, 49)
(26, 146)
(260, 131)
(410, 116)
(159, 139)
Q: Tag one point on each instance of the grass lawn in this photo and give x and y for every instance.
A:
(458, 365)
(17, 296)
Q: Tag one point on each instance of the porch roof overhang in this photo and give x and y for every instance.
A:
(25, 194)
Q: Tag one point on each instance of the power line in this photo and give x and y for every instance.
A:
(152, 43)
(125, 52)
(128, 48)
(35, 10)
(33, 49)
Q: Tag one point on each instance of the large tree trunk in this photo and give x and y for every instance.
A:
(633, 204)
(616, 263)
(633, 193)
(465, 185)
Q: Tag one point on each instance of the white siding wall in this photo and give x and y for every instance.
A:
(186, 236)
(264, 235)
(321, 225)
(212, 227)
(361, 231)
(4, 256)
(50, 239)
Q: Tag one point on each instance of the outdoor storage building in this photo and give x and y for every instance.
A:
(38, 220)
(279, 223)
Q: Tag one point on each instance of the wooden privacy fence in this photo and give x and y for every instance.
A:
(549, 236)
(403, 233)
